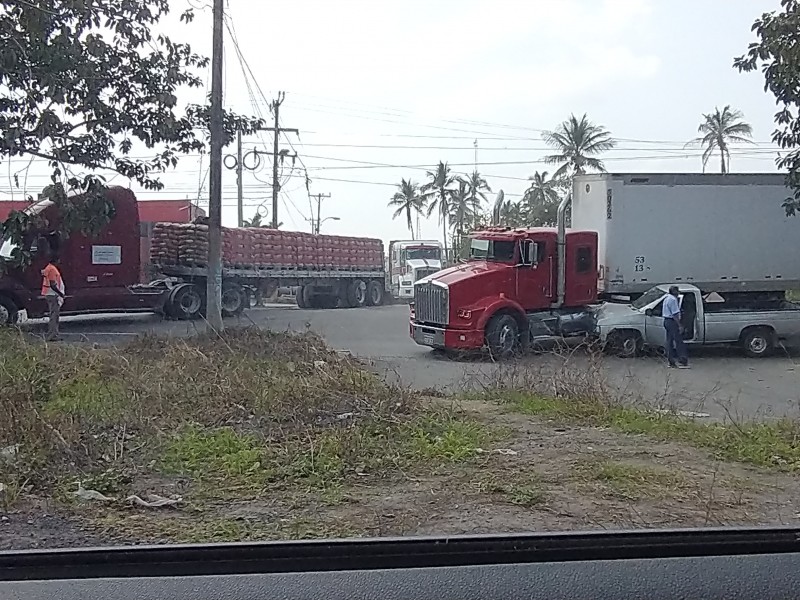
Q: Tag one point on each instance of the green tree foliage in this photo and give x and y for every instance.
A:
(540, 201)
(407, 201)
(777, 55)
(81, 83)
(720, 129)
(577, 142)
(438, 192)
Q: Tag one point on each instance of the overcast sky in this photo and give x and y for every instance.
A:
(411, 82)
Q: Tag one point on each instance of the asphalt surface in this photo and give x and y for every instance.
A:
(721, 381)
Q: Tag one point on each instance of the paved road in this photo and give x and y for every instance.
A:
(720, 381)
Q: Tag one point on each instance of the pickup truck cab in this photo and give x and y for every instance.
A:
(706, 319)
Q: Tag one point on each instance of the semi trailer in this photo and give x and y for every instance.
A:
(103, 274)
(720, 233)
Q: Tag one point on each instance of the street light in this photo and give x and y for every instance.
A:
(315, 225)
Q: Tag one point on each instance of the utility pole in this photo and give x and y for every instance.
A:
(276, 186)
(239, 185)
(319, 197)
(214, 276)
(475, 164)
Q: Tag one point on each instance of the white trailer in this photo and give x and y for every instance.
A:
(720, 233)
(411, 260)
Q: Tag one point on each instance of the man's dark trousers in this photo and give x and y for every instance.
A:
(675, 346)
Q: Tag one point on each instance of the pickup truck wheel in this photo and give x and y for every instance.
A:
(234, 299)
(625, 344)
(8, 311)
(758, 342)
(375, 291)
(357, 294)
(502, 336)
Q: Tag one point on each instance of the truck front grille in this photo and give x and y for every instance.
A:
(422, 273)
(431, 303)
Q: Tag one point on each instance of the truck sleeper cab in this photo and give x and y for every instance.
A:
(507, 293)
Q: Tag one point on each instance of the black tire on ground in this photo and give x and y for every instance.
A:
(234, 299)
(758, 342)
(625, 343)
(357, 294)
(502, 336)
(186, 302)
(375, 293)
(8, 311)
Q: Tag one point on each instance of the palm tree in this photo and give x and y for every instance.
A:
(464, 208)
(576, 141)
(407, 200)
(540, 201)
(255, 221)
(719, 129)
(478, 187)
(437, 193)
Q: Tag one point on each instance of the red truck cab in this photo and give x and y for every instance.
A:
(510, 290)
(100, 274)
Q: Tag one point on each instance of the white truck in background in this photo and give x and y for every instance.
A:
(726, 234)
(410, 261)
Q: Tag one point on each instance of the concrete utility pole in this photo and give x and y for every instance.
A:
(276, 186)
(239, 185)
(316, 227)
(214, 277)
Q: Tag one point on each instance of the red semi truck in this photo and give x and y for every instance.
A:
(516, 285)
(103, 274)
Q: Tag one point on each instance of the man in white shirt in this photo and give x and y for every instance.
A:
(676, 349)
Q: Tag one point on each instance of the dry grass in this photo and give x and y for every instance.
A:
(233, 414)
(579, 392)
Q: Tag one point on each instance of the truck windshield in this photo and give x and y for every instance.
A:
(501, 250)
(649, 296)
(422, 254)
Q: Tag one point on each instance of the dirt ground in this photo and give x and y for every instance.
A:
(536, 476)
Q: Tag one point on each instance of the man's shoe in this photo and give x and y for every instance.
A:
(684, 366)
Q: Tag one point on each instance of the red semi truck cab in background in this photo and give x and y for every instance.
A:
(512, 288)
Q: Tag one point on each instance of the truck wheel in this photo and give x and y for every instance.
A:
(186, 302)
(357, 294)
(8, 311)
(300, 297)
(234, 299)
(758, 342)
(502, 335)
(375, 292)
(625, 344)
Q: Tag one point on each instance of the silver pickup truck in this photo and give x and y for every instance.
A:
(705, 319)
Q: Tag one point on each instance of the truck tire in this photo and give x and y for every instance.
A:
(502, 336)
(375, 293)
(357, 294)
(758, 342)
(234, 300)
(300, 297)
(625, 343)
(8, 311)
(186, 302)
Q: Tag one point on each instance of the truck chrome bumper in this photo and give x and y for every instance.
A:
(439, 337)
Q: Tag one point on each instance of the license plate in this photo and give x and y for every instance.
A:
(427, 338)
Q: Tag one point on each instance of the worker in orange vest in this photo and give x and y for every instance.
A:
(54, 292)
